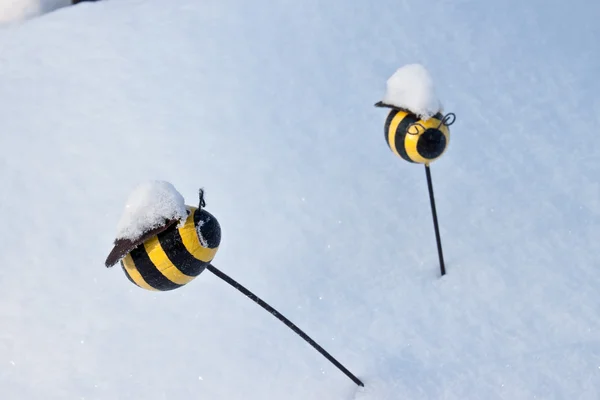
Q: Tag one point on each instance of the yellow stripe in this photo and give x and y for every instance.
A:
(392, 130)
(134, 274)
(161, 261)
(190, 239)
(411, 140)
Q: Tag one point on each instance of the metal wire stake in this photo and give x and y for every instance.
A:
(435, 220)
(283, 319)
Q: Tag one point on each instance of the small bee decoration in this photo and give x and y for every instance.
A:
(416, 129)
(172, 254)
(414, 139)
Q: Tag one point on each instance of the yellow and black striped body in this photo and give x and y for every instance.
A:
(416, 140)
(175, 256)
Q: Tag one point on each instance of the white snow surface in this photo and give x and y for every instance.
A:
(148, 206)
(412, 89)
(268, 105)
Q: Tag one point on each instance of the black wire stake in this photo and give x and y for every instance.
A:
(435, 220)
(283, 319)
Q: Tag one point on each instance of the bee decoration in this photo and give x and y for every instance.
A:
(415, 139)
(419, 140)
(169, 256)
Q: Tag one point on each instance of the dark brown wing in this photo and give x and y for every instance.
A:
(382, 104)
(124, 246)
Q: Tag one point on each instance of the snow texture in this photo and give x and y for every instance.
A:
(412, 89)
(268, 104)
(148, 207)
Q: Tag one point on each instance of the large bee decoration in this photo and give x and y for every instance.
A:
(414, 139)
(168, 257)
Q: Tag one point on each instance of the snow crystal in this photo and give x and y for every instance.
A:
(147, 208)
(411, 88)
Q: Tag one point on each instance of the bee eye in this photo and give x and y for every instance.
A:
(431, 143)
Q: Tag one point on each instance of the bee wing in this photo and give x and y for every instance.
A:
(385, 105)
(124, 246)
(381, 104)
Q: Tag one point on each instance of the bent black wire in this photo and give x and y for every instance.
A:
(283, 319)
(446, 120)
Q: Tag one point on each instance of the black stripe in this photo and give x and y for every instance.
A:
(172, 244)
(149, 272)
(386, 127)
(401, 133)
(127, 275)
(210, 229)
